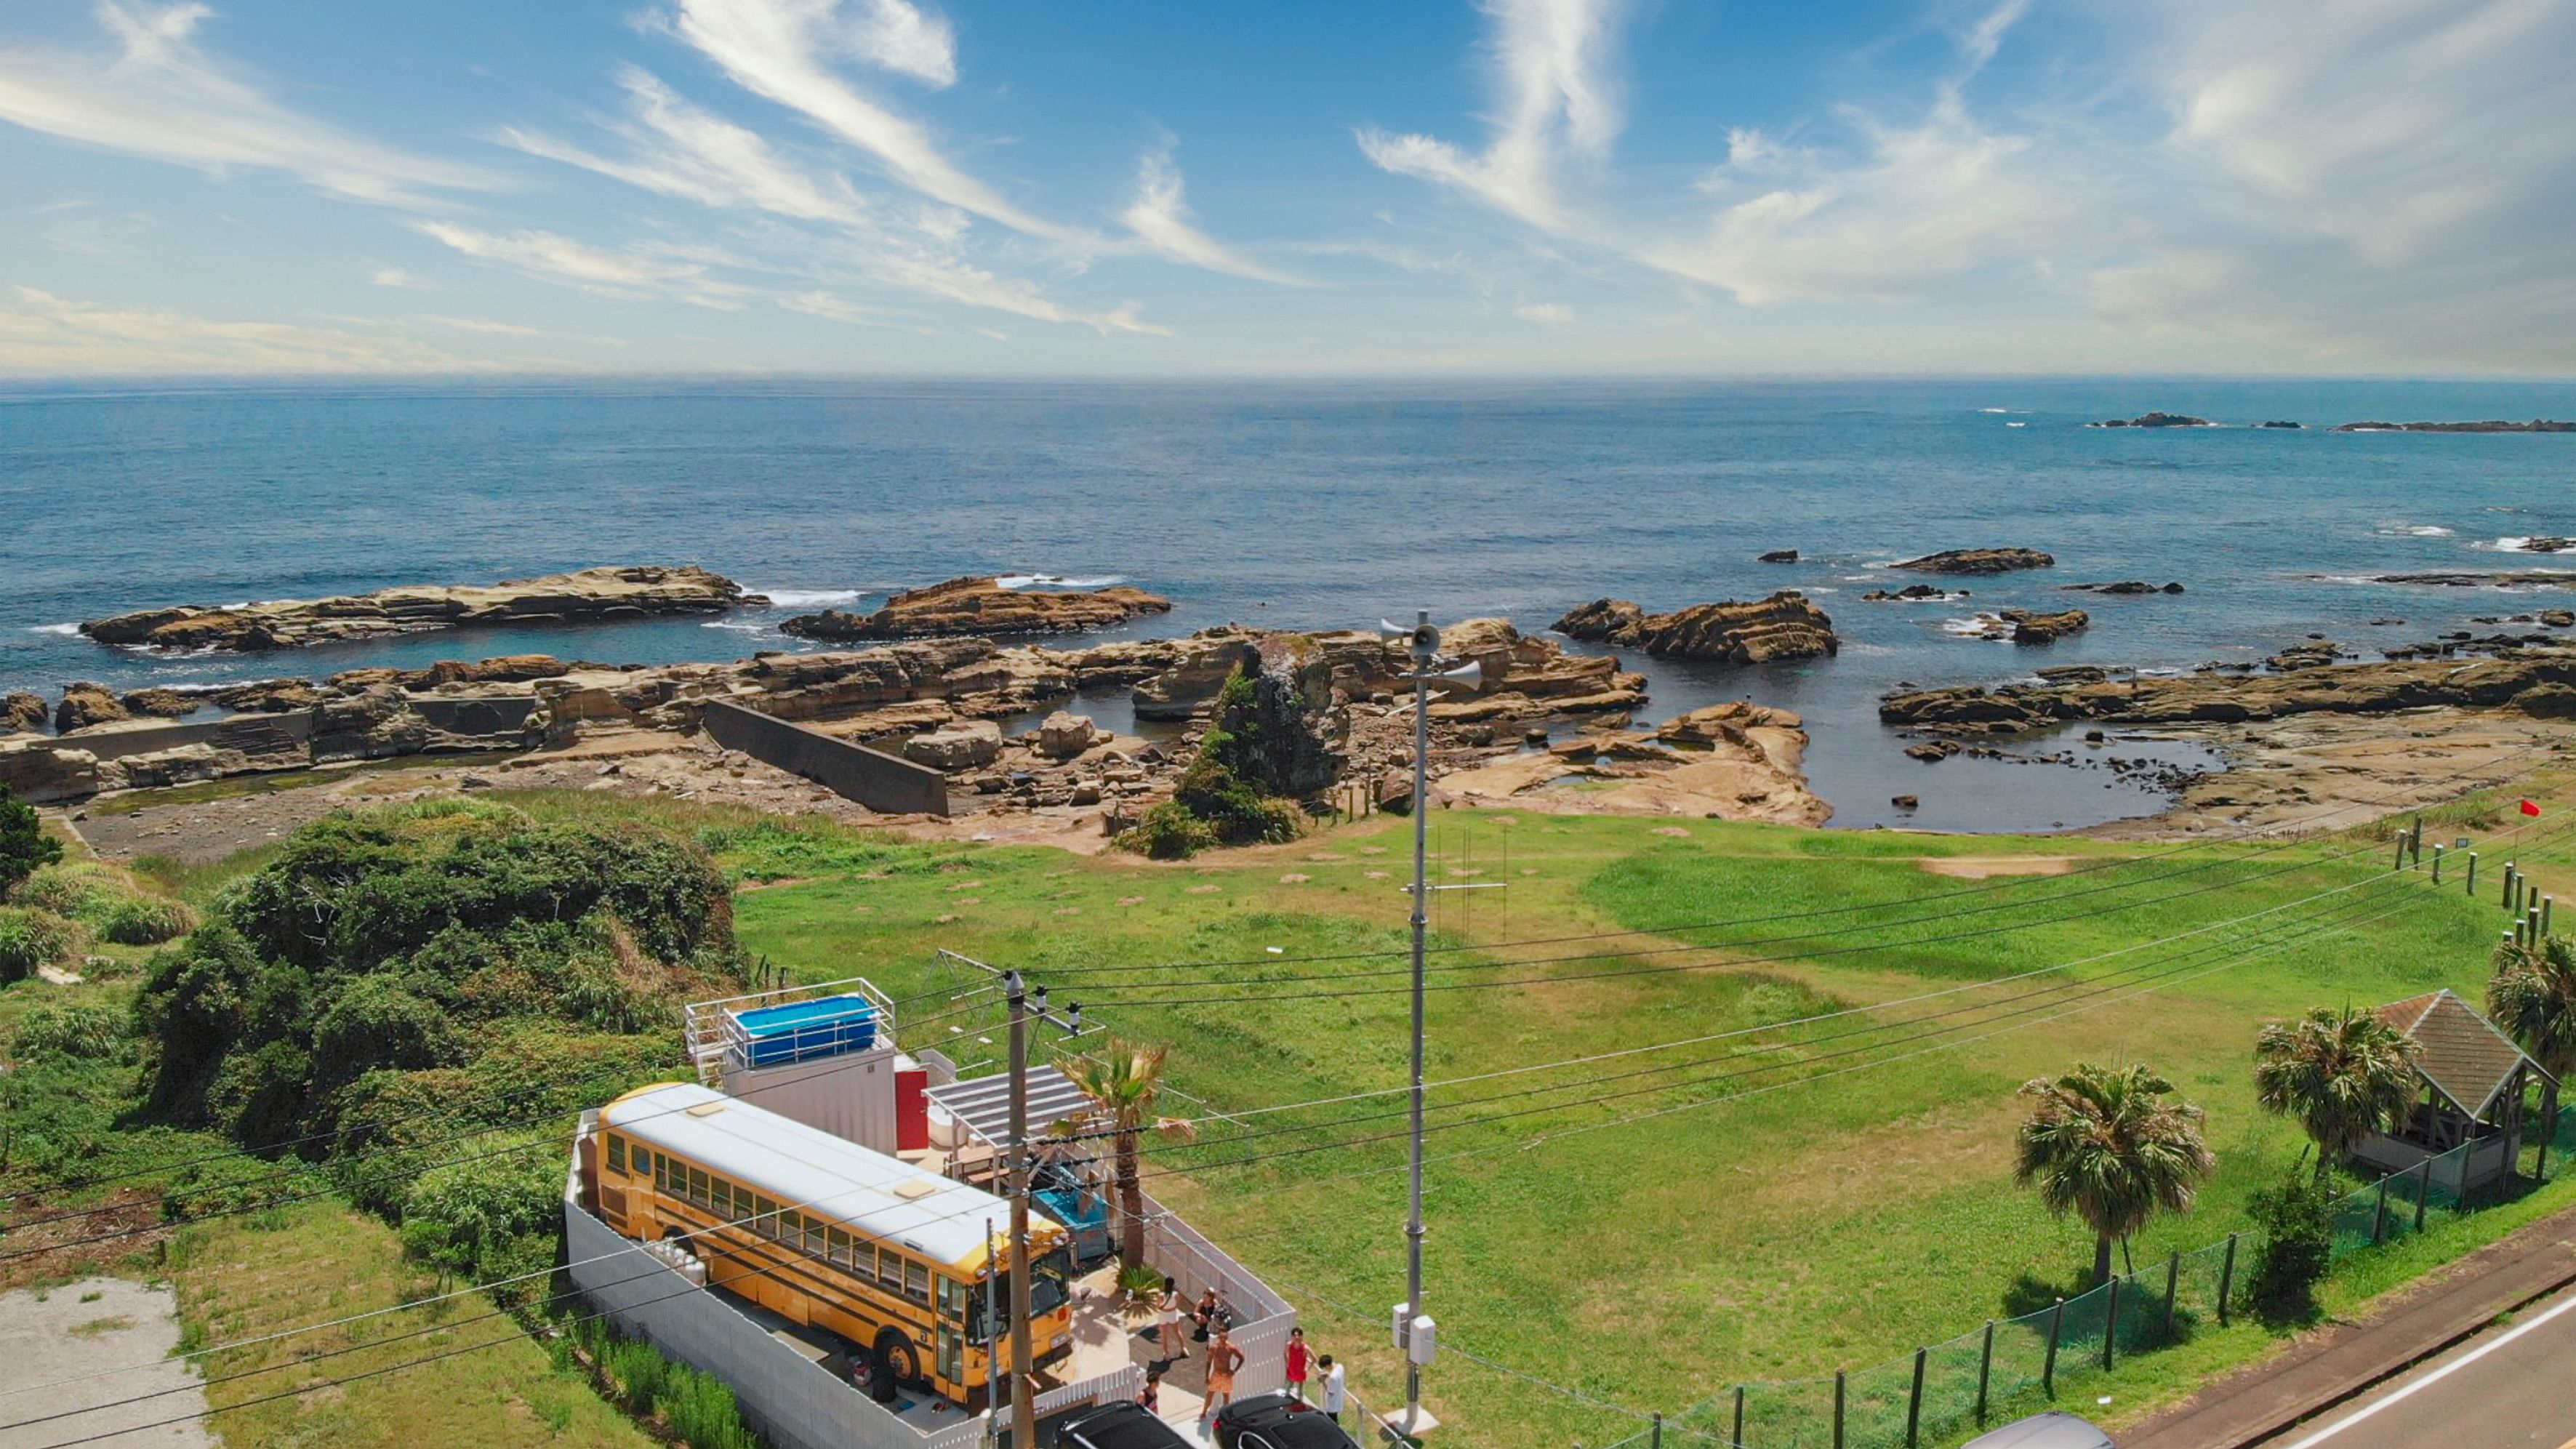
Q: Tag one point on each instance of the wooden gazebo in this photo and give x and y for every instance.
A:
(2476, 1089)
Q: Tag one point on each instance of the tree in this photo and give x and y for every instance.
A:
(1124, 1080)
(2533, 997)
(2104, 1144)
(2341, 1075)
(24, 845)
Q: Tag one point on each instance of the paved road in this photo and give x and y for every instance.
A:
(82, 1328)
(2508, 1388)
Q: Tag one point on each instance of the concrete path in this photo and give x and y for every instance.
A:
(81, 1328)
(2303, 1390)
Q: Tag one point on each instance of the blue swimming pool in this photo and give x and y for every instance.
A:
(802, 1029)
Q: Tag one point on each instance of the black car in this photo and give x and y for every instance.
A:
(1276, 1421)
(1122, 1424)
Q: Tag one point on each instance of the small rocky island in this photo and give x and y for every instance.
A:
(2155, 420)
(980, 605)
(598, 595)
(1783, 626)
(1978, 561)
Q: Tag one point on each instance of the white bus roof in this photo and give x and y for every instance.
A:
(804, 1167)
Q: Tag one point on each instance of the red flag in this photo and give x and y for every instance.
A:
(2530, 809)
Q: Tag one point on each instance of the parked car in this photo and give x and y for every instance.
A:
(2056, 1429)
(1276, 1421)
(1121, 1424)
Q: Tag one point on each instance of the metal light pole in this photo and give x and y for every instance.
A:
(1426, 652)
(1024, 1419)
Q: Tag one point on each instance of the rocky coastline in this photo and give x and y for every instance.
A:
(2490, 425)
(980, 605)
(595, 595)
(1785, 625)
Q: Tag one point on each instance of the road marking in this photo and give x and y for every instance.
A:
(2435, 1377)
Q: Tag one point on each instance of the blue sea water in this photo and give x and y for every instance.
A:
(1306, 505)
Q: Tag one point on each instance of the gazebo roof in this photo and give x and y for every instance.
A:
(2465, 1057)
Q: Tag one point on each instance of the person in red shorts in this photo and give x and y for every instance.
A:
(1301, 1360)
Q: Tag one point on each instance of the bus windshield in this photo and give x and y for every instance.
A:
(1047, 1293)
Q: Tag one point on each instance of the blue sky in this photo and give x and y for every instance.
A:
(1195, 189)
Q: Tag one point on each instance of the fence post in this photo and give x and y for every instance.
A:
(2379, 1215)
(1914, 1403)
(1738, 1441)
(2111, 1321)
(2437, 865)
(2400, 862)
(1838, 1409)
(1659, 1429)
(2048, 1366)
(2226, 1279)
(2472, 886)
(2545, 903)
(1985, 1371)
(2173, 1280)
(2418, 840)
(2423, 1190)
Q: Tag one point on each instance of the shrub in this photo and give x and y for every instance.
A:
(92, 1032)
(489, 1219)
(2297, 1223)
(65, 887)
(698, 1408)
(140, 920)
(24, 845)
(30, 938)
(1167, 832)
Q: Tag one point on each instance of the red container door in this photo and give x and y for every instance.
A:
(912, 1110)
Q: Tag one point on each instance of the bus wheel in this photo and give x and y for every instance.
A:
(900, 1359)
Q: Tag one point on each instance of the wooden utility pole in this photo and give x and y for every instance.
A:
(1024, 1419)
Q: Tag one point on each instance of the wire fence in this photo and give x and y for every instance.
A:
(2020, 1365)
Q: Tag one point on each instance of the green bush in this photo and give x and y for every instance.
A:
(65, 887)
(140, 920)
(24, 845)
(30, 938)
(698, 1408)
(1167, 832)
(492, 1218)
(91, 1032)
(2296, 1220)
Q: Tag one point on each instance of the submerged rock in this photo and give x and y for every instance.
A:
(1912, 593)
(586, 596)
(1779, 555)
(980, 605)
(1978, 561)
(2125, 586)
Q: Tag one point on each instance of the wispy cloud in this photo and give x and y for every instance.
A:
(47, 334)
(1555, 314)
(159, 95)
(398, 279)
(81, 229)
(680, 150)
(628, 274)
(1553, 91)
(1161, 220)
(784, 50)
(484, 325)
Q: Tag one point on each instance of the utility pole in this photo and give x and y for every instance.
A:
(1024, 1419)
(1426, 653)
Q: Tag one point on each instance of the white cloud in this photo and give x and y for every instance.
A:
(782, 50)
(43, 333)
(160, 96)
(1161, 219)
(1551, 61)
(484, 325)
(398, 278)
(630, 274)
(77, 228)
(680, 150)
(1555, 314)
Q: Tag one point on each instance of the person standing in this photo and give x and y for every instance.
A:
(1300, 1360)
(1334, 1389)
(1168, 1311)
(1223, 1359)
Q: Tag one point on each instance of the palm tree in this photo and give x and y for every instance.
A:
(2533, 997)
(2104, 1144)
(1124, 1080)
(2342, 1074)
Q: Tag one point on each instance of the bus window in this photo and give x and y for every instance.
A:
(720, 1196)
(697, 1187)
(840, 1245)
(916, 1282)
(889, 1269)
(952, 1300)
(766, 1223)
(617, 1154)
(791, 1229)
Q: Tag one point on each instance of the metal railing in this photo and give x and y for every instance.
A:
(708, 1031)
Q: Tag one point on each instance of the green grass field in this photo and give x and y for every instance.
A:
(1777, 1199)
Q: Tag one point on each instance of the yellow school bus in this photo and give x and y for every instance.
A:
(831, 1235)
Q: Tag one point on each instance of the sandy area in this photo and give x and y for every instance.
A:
(2333, 771)
(84, 1328)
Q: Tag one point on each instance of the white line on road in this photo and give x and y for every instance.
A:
(2435, 1377)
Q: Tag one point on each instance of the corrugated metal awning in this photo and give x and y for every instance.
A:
(982, 1105)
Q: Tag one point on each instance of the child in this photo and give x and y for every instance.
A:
(1333, 1387)
(1300, 1358)
(1152, 1398)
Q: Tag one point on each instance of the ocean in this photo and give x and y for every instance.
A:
(1310, 505)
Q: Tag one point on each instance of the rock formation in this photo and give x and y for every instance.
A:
(1737, 761)
(2225, 699)
(2491, 425)
(2125, 586)
(2561, 579)
(1783, 626)
(2280, 423)
(2032, 627)
(22, 711)
(1912, 594)
(1978, 561)
(981, 606)
(961, 746)
(1063, 735)
(588, 596)
(2155, 420)
(85, 704)
(163, 703)
(1779, 555)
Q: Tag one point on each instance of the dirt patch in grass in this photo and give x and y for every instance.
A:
(1986, 867)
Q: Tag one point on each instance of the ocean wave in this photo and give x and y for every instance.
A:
(737, 625)
(809, 598)
(2347, 578)
(66, 630)
(1820, 589)
(1994, 410)
(2016, 425)
(2413, 530)
(1050, 581)
(1973, 627)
